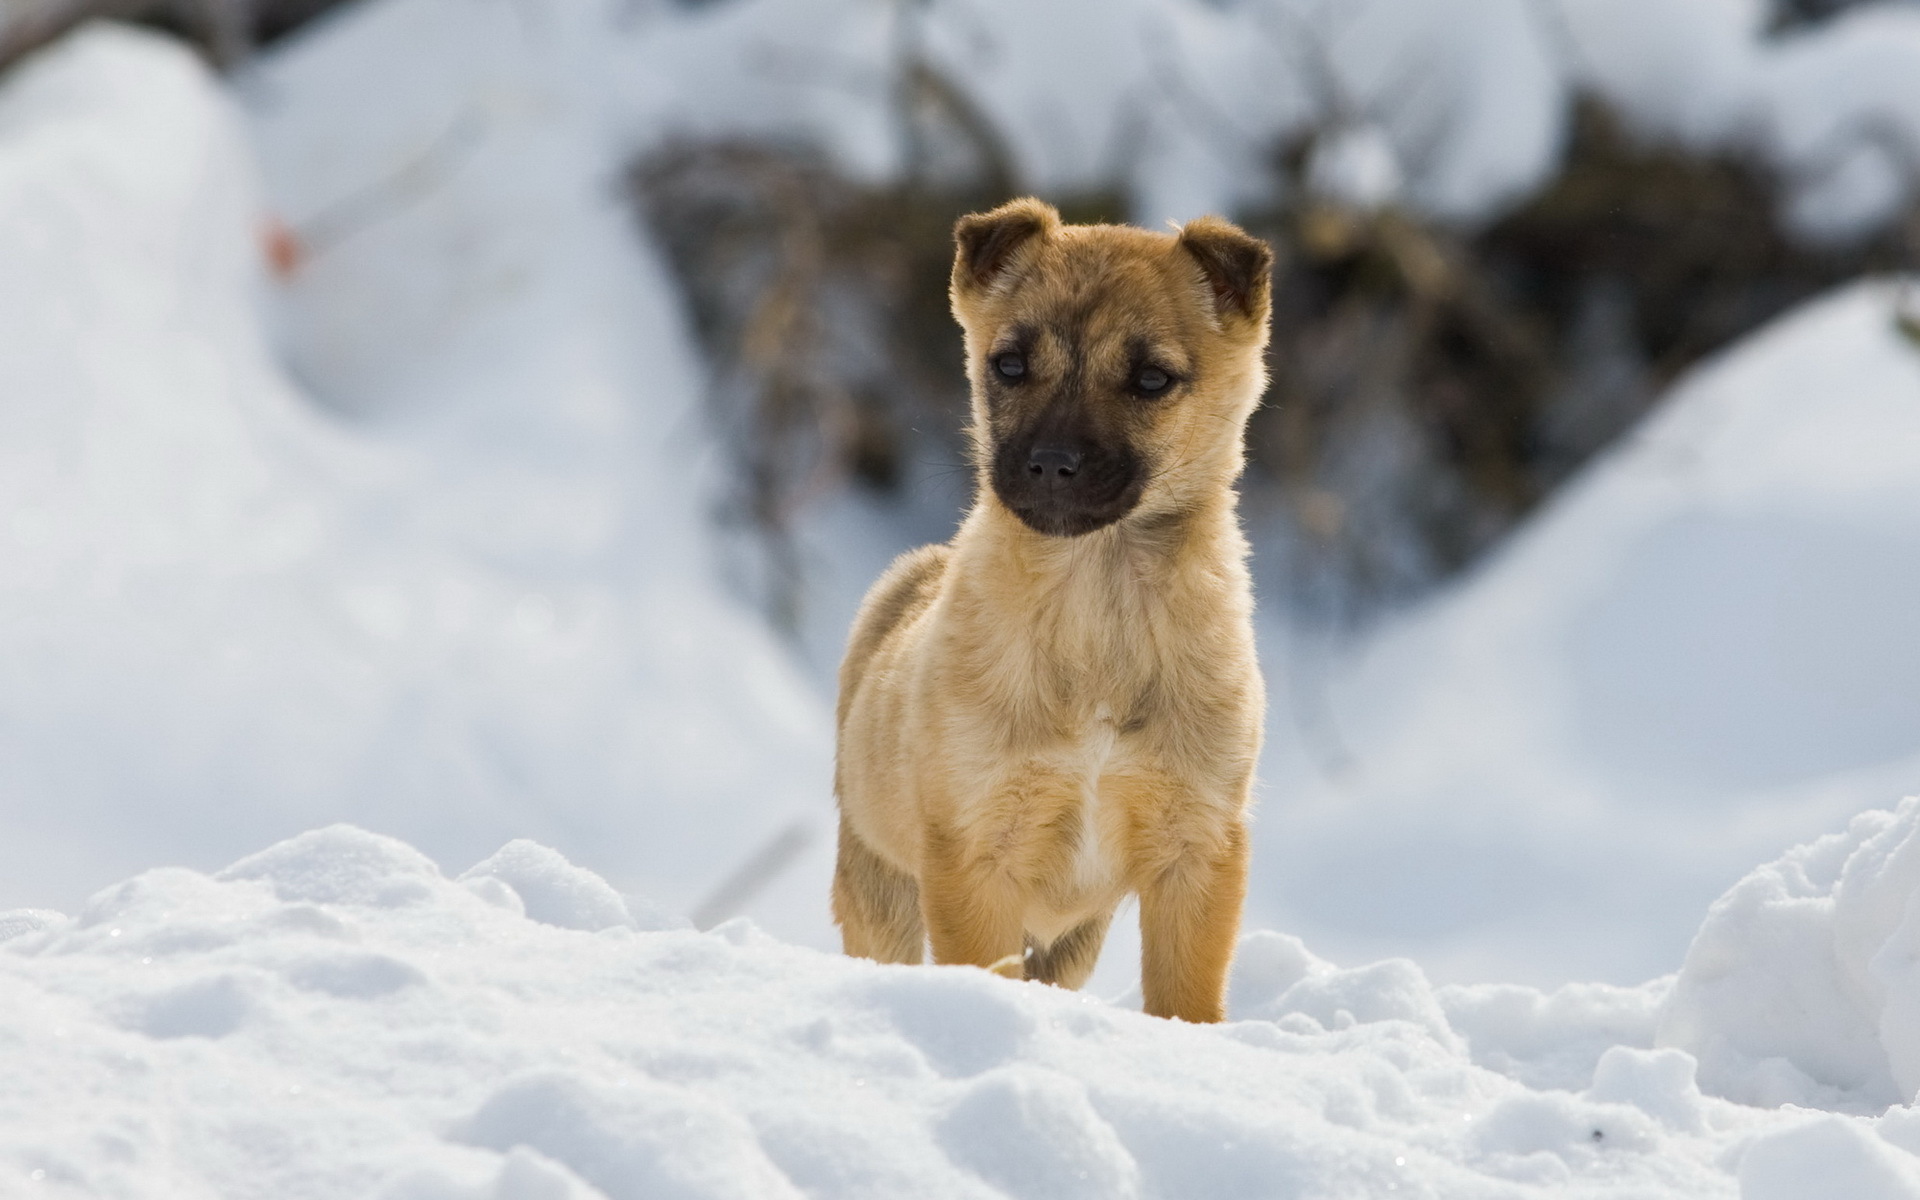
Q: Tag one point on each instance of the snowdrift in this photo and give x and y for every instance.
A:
(469, 600)
(1701, 652)
(1801, 988)
(333, 1016)
(419, 581)
(227, 615)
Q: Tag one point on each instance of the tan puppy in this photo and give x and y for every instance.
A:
(1062, 706)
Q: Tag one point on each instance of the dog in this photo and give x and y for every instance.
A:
(1062, 706)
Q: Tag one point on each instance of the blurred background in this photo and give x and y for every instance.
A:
(476, 419)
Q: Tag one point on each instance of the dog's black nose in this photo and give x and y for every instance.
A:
(1053, 462)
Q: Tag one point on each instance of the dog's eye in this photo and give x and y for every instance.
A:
(1151, 381)
(1010, 365)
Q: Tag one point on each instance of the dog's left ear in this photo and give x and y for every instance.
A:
(1239, 267)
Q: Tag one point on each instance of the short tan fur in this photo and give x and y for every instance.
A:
(1062, 706)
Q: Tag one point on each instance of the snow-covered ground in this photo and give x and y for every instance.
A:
(1701, 653)
(1704, 651)
(415, 538)
(477, 608)
(333, 1016)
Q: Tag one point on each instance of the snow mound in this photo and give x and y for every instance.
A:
(1458, 108)
(551, 889)
(340, 865)
(1833, 109)
(1826, 1156)
(1803, 985)
(481, 608)
(1702, 651)
(1462, 106)
(334, 1017)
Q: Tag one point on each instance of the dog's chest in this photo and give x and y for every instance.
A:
(1095, 860)
(1071, 828)
(1095, 836)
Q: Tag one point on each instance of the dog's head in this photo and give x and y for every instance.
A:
(1113, 368)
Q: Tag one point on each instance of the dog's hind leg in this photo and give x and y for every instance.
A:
(1071, 958)
(876, 906)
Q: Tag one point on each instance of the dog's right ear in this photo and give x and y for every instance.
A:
(985, 241)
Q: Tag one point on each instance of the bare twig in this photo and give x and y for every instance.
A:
(738, 890)
(413, 179)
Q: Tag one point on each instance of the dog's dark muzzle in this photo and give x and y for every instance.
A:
(1064, 486)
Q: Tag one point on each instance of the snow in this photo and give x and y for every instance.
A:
(1355, 167)
(1825, 1157)
(333, 1016)
(479, 609)
(1701, 653)
(1801, 985)
(1673, 69)
(414, 539)
(1460, 101)
(1842, 108)
(1834, 110)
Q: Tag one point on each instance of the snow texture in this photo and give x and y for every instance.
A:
(1835, 110)
(471, 602)
(332, 1016)
(1802, 986)
(446, 577)
(1702, 651)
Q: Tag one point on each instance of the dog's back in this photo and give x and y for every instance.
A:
(896, 598)
(875, 902)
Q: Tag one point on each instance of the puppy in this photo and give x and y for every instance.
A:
(1062, 706)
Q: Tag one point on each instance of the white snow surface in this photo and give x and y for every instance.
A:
(333, 1016)
(479, 609)
(1803, 986)
(447, 577)
(1184, 104)
(1702, 652)
(1834, 110)
(1698, 655)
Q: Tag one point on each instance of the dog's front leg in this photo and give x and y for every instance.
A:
(1189, 922)
(971, 906)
